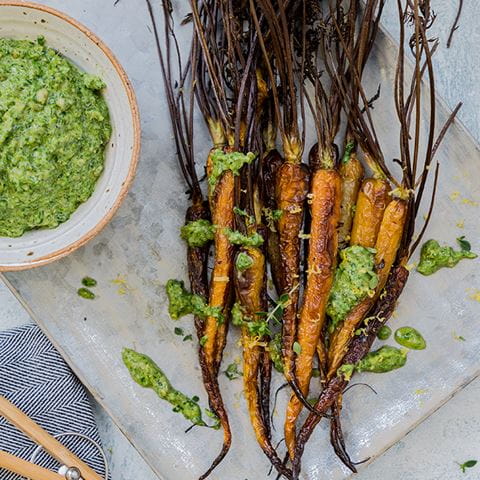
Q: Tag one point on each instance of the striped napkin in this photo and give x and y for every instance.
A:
(35, 378)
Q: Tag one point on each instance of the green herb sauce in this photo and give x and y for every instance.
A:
(433, 257)
(149, 375)
(237, 238)
(384, 333)
(198, 233)
(355, 279)
(85, 293)
(383, 360)
(182, 302)
(243, 261)
(54, 125)
(411, 338)
(233, 161)
(89, 282)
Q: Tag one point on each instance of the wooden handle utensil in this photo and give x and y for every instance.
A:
(41, 437)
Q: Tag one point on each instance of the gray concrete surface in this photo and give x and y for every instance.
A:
(451, 435)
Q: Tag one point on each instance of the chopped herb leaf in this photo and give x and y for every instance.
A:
(187, 338)
(178, 331)
(468, 464)
(203, 340)
(232, 372)
(297, 348)
(464, 244)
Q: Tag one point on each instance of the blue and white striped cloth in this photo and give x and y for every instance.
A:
(35, 378)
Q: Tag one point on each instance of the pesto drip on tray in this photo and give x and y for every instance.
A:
(54, 126)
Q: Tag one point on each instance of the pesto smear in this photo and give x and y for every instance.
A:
(182, 302)
(198, 233)
(149, 375)
(411, 338)
(433, 257)
(383, 360)
(54, 125)
(355, 279)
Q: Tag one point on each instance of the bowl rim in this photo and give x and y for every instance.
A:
(56, 255)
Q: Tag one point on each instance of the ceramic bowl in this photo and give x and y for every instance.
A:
(22, 20)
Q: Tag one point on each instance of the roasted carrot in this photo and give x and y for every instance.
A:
(351, 172)
(271, 162)
(222, 202)
(359, 347)
(371, 203)
(291, 193)
(387, 245)
(325, 213)
(249, 286)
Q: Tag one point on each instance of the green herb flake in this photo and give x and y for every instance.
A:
(203, 340)
(464, 244)
(85, 293)
(198, 233)
(467, 464)
(89, 282)
(178, 331)
(275, 350)
(188, 338)
(315, 373)
(297, 348)
(232, 372)
(249, 219)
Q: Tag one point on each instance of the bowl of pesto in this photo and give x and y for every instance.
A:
(69, 135)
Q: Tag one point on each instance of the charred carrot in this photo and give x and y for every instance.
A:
(351, 171)
(325, 212)
(222, 202)
(371, 203)
(291, 193)
(387, 245)
(249, 286)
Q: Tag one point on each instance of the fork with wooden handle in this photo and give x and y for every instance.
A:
(50, 444)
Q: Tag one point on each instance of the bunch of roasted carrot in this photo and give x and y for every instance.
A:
(254, 70)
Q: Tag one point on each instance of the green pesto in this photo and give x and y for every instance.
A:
(433, 257)
(383, 360)
(85, 293)
(182, 302)
(149, 375)
(275, 350)
(237, 238)
(198, 233)
(384, 333)
(222, 162)
(89, 282)
(349, 148)
(243, 261)
(236, 314)
(355, 279)
(346, 371)
(54, 126)
(411, 338)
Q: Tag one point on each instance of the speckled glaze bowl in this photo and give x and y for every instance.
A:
(23, 20)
